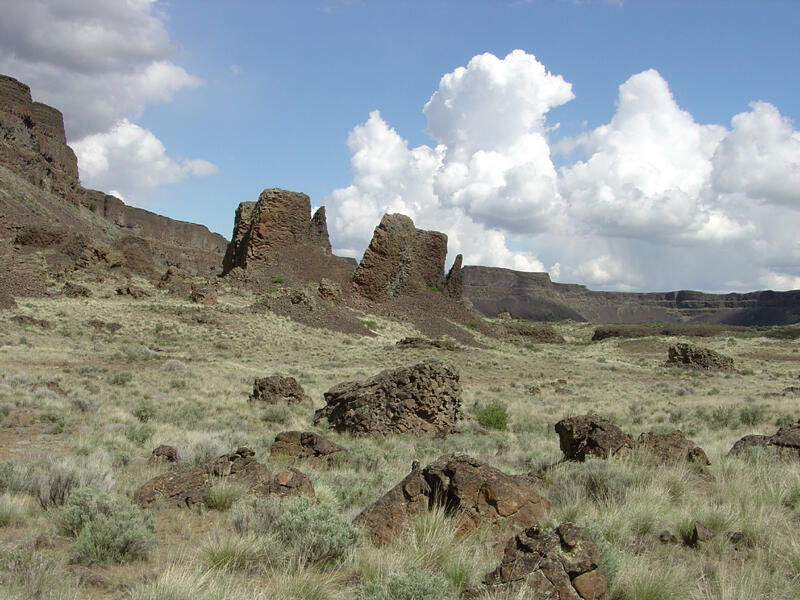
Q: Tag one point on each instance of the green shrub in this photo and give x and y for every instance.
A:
(722, 417)
(105, 529)
(121, 378)
(493, 416)
(223, 494)
(240, 553)
(145, 411)
(752, 414)
(139, 433)
(415, 584)
(315, 531)
(277, 280)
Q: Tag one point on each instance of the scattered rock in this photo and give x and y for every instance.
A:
(53, 386)
(785, 442)
(675, 448)
(329, 290)
(700, 534)
(28, 320)
(164, 453)
(188, 488)
(278, 388)
(666, 537)
(306, 446)
(469, 490)
(504, 315)
(73, 290)
(792, 390)
(423, 343)
(424, 398)
(102, 326)
(687, 355)
(537, 334)
(591, 435)
(203, 295)
(560, 564)
(133, 292)
(401, 260)
(534, 390)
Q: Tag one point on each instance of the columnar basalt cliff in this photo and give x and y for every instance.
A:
(279, 221)
(402, 260)
(41, 199)
(534, 296)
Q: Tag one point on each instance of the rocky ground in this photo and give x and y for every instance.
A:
(91, 385)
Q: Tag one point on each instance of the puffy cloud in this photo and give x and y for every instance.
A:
(659, 201)
(131, 162)
(98, 61)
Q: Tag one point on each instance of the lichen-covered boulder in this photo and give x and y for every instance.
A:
(674, 448)
(591, 435)
(421, 399)
(306, 446)
(688, 355)
(785, 442)
(562, 564)
(471, 491)
(278, 388)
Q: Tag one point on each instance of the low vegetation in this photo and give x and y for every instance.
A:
(81, 410)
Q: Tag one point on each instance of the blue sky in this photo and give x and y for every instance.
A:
(249, 95)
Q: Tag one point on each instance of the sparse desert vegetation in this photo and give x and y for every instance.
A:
(83, 408)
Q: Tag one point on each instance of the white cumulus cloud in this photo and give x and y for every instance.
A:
(131, 162)
(98, 61)
(658, 201)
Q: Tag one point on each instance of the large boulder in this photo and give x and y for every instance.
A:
(306, 446)
(421, 399)
(561, 564)
(188, 488)
(278, 388)
(591, 435)
(279, 220)
(472, 492)
(675, 448)
(785, 442)
(402, 260)
(688, 355)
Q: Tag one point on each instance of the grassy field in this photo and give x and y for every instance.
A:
(82, 406)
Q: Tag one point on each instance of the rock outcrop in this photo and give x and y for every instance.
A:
(402, 260)
(278, 388)
(280, 220)
(454, 284)
(187, 488)
(472, 492)
(421, 399)
(307, 447)
(419, 343)
(785, 442)
(688, 355)
(535, 297)
(591, 435)
(562, 564)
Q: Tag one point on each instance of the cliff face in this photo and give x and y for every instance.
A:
(401, 260)
(533, 296)
(40, 193)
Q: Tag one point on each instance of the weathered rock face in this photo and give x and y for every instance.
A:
(534, 296)
(33, 148)
(688, 355)
(187, 488)
(306, 446)
(591, 435)
(469, 490)
(422, 399)
(785, 442)
(279, 220)
(455, 280)
(562, 564)
(675, 448)
(402, 260)
(278, 388)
